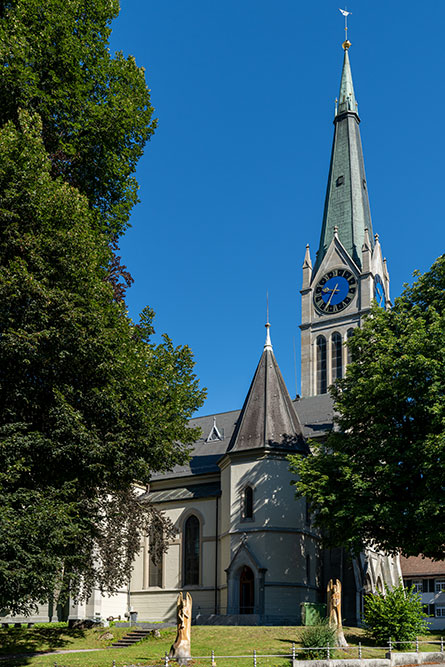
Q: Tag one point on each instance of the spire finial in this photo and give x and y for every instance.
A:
(346, 44)
(366, 243)
(268, 343)
(307, 264)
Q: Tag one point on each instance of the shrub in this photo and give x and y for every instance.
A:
(397, 613)
(314, 637)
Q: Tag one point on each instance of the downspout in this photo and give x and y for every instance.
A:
(216, 555)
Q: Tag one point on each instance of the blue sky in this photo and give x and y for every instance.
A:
(232, 185)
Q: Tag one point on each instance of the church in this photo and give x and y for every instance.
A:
(246, 548)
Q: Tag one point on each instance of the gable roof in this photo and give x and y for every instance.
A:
(417, 566)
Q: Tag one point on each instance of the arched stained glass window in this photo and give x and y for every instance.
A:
(337, 352)
(348, 336)
(248, 503)
(322, 377)
(191, 551)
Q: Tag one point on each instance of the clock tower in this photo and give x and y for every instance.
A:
(349, 270)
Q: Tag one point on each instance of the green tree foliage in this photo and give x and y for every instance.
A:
(88, 403)
(397, 614)
(95, 107)
(380, 476)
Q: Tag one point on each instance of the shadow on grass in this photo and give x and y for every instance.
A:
(14, 641)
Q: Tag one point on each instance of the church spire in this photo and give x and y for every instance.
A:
(268, 419)
(346, 204)
(346, 98)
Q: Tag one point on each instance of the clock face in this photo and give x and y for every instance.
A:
(335, 291)
(379, 292)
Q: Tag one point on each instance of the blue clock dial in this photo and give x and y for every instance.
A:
(335, 291)
(379, 292)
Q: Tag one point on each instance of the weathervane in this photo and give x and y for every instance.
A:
(346, 14)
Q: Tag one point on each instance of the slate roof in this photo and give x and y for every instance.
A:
(315, 414)
(189, 492)
(268, 419)
(347, 203)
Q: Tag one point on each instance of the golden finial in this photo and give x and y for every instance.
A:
(346, 44)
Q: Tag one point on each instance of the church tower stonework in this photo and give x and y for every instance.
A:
(349, 269)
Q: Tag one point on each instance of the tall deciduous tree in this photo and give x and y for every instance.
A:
(380, 476)
(88, 404)
(95, 107)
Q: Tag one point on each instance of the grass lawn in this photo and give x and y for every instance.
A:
(224, 640)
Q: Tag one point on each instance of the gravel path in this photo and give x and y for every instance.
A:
(32, 655)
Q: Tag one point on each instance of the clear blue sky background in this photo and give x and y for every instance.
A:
(232, 185)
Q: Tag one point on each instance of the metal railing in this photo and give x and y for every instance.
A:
(339, 652)
(357, 651)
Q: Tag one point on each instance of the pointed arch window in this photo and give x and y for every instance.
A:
(322, 384)
(349, 352)
(337, 354)
(248, 503)
(191, 551)
(155, 559)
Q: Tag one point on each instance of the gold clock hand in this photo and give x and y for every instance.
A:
(332, 294)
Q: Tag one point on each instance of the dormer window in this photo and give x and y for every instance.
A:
(340, 180)
(215, 433)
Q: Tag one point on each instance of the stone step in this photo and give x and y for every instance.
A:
(131, 638)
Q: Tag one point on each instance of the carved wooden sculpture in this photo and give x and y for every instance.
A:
(180, 649)
(334, 609)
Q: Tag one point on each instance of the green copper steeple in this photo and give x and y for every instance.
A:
(346, 204)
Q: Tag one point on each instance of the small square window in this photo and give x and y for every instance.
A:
(440, 611)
